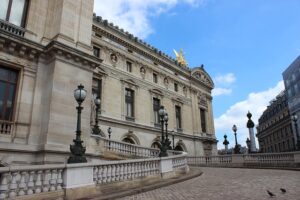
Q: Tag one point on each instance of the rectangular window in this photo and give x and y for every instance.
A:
(96, 52)
(154, 78)
(203, 120)
(13, 11)
(129, 66)
(156, 106)
(176, 87)
(129, 104)
(8, 85)
(178, 117)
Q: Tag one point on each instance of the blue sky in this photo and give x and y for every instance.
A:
(244, 46)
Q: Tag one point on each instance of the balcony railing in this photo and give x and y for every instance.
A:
(6, 127)
(11, 28)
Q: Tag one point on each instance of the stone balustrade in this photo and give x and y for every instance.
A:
(6, 127)
(125, 170)
(11, 28)
(174, 152)
(27, 180)
(71, 181)
(276, 160)
(179, 162)
(123, 148)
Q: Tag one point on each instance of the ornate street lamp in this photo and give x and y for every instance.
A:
(295, 119)
(96, 129)
(168, 142)
(109, 134)
(236, 148)
(173, 143)
(77, 150)
(226, 143)
(163, 148)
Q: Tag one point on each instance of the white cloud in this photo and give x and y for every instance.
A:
(223, 82)
(256, 103)
(133, 15)
(221, 91)
(225, 79)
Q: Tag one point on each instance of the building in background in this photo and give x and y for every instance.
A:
(46, 52)
(274, 130)
(291, 77)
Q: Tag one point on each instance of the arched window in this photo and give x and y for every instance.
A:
(128, 140)
(178, 148)
(155, 145)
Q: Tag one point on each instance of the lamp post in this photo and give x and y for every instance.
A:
(163, 148)
(173, 143)
(109, 134)
(96, 129)
(226, 143)
(167, 141)
(236, 148)
(295, 119)
(77, 150)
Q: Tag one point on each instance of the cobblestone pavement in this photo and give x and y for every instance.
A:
(230, 184)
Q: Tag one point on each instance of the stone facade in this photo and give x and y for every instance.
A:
(274, 130)
(62, 45)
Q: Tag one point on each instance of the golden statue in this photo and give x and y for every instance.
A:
(180, 58)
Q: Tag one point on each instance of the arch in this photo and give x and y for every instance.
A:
(156, 145)
(130, 138)
(180, 146)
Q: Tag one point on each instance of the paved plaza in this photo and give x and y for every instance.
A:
(230, 183)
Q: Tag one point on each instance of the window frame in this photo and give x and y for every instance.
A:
(176, 87)
(24, 13)
(129, 99)
(14, 98)
(155, 78)
(95, 48)
(156, 107)
(203, 120)
(128, 66)
(178, 118)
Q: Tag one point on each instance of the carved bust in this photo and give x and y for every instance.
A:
(113, 58)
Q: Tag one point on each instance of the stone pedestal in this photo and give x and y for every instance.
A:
(166, 168)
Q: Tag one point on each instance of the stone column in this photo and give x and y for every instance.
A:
(250, 126)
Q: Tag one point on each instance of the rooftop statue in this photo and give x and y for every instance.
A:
(180, 58)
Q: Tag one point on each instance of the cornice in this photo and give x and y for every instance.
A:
(32, 51)
(159, 58)
(57, 49)
(154, 130)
